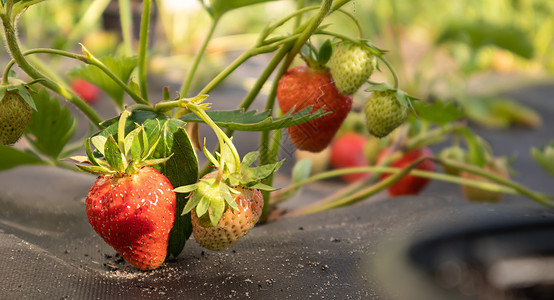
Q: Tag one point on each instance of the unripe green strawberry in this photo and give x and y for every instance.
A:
(384, 112)
(351, 65)
(234, 223)
(496, 166)
(15, 115)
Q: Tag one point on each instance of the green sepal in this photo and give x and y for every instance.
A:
(202, 206)
(325, 52)
(249, 158)
(113, 155)
(217, 207)
(94, 169)
(544, 156)
(186, 189)
(99, 143)
(263, 187)
(250, 175)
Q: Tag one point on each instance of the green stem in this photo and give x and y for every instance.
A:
(221, 136)
(358, 196)
(143, 47)
(17, 55)
(125, 14)
(416, 173)
(198, 58)
(391, 69)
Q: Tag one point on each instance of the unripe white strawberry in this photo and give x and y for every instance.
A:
(351, 65)
(384, 112)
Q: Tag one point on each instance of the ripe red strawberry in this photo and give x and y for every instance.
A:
(497, 167)
(351, 65)
(134, 214)
(15, 115)
(409, 185)
(234, 223)
(131, 205)
(347, 150)
(86, 90)
(303, 86)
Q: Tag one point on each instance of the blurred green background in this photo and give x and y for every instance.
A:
(465, 51)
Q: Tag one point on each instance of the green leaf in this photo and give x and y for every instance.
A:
(259, 173)
(122, 67)
(545, 157)
(263, 187)
(440, 112)
(219, 7)
(484, 33)
(256, 121)
(12, 157)
(181, 169)
(52, 125)
(325, 52)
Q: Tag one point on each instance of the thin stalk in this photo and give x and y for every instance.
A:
(190, 76)
(143, 47)
(390, 170)
(358, 196)
(17, 55)
(86, 59)
(125, 14)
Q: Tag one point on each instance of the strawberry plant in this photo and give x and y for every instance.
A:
(153, 191)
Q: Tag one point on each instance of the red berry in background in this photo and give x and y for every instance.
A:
(86, 90)
(409, 185)
(303, 86)
(347, 150)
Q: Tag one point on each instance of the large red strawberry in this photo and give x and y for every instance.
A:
(409, 185)
(302, 86)
(131, 205)
(347, 151)
(134, 214)
(234, 223)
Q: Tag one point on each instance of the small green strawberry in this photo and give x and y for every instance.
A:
(385, 110)
(226, 203)
(131, 205)
(16, 109)
(351, 65)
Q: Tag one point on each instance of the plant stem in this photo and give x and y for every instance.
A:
(17, 55)
(143, 47)
(125, 15)
(188, 81)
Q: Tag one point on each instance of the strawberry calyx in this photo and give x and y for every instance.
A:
(20, 88)
(126, 156)
(404, 99)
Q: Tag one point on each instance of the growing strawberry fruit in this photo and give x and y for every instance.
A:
(385, 110)
(234, 223)
(131, 205)
(304, 86)
(351, 65)
(227, 203)
(347, 150)
(134, 214)
(86, 90)
(16, 109)
(498, 167)
(409, 185)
